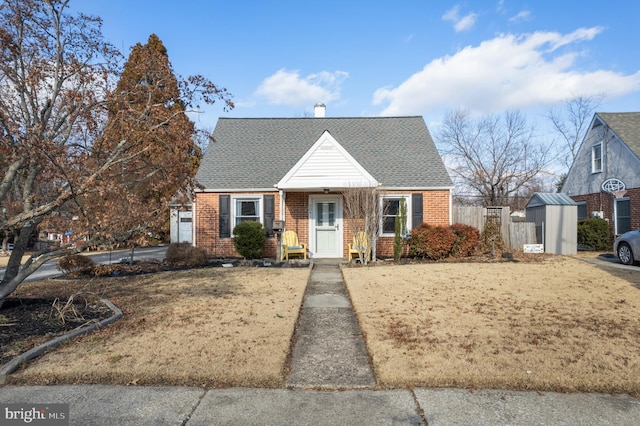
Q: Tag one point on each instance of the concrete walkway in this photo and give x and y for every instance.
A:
(329, 352)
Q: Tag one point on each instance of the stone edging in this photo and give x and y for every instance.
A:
(12, 365)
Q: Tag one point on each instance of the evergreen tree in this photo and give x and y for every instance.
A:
(147, 113)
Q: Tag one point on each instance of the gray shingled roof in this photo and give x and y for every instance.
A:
(626, 125)
(257, 152)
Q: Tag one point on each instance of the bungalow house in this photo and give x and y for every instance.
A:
(604, 178)
(295, 170)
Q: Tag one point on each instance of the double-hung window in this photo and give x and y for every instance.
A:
(391, 210)
(596, 158)
(582, 210)
(246, 209)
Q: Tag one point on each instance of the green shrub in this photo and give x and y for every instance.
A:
(594, 234)
(186, 254)
(75, 264)
(467, 240)
(249, 239)
(431, 242)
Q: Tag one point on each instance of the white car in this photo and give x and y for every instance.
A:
(627, 247)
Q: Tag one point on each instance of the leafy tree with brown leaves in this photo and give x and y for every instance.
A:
(146, 110)
(68, 140)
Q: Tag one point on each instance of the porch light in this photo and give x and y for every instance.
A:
(326, 190)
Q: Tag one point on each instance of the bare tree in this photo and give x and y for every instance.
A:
(493, 158)
(57, 78)
(570, 123)
(363, 212)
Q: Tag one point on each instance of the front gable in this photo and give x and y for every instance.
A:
(327, 165)
(607, 152)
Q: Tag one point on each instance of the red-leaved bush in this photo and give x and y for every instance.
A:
(467, 240)
(431, 242)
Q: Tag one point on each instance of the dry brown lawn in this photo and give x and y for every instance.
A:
(563, 325)
(209, 327)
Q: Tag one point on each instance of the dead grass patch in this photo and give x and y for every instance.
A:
(206, 327)
(559, 325)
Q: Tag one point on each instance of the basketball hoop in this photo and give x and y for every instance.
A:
(612, 185)
(619, 193)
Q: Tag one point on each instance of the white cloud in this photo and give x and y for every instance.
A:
(460, 23)
(507, 72)
(523, 15)
(289, 88)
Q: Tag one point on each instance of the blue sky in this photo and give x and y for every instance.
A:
(407, 57)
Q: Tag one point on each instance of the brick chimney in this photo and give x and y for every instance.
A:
(319, 110)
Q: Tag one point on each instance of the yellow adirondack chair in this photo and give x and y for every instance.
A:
(360, 244)
(291, 245)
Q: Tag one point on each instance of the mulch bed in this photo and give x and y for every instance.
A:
(28, 322)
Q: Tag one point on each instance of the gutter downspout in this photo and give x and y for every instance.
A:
(282, 216)
(193, 222)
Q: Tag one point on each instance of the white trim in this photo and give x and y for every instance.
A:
(283, 196)
(407, 198)
(300, 177)
(313, 198)
(450, 207)
(320, 188)
(236, 190)
(593, 158)
(246, 197)
(193, 223)
(415, 188)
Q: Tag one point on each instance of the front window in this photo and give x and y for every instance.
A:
(582, 210)
(246, 209)
(596, 158)
(391, 210)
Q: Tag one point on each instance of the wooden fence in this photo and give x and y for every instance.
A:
(514, 234)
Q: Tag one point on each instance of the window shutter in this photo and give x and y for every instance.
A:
(416, 210)
(269, 214)
(225, 216)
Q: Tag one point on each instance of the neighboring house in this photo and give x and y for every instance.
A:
(605, 177)
(294, 169)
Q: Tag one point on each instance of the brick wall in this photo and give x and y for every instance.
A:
(602, 201)
(208, 230)
(297, 214)
(435, 212)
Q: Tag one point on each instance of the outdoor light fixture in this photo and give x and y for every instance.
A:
(326, 190)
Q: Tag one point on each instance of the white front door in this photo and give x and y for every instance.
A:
(325, 223)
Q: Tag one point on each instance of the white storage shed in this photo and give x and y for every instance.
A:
(556, 219)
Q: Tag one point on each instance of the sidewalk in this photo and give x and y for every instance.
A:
(329, 354)
(136, 406)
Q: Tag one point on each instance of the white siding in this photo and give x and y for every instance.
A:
(326, 165)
